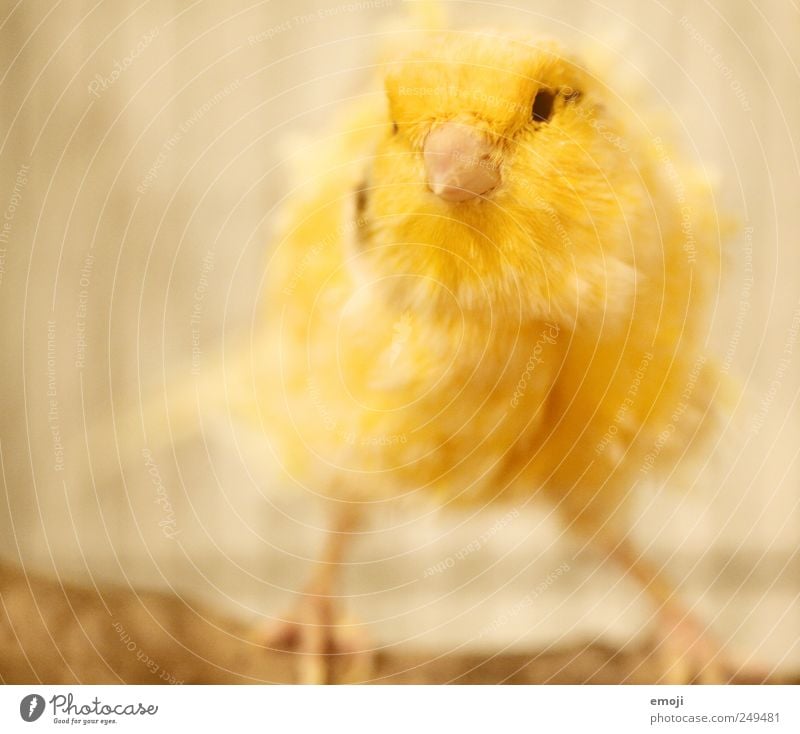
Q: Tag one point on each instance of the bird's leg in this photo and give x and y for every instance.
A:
(684, 646)
(315, 629)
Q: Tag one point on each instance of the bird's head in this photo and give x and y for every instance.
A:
(496, 181)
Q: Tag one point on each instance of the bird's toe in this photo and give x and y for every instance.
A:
(329, 646)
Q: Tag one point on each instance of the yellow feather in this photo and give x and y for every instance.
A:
(547, 339)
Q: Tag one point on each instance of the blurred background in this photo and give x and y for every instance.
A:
(145, 151)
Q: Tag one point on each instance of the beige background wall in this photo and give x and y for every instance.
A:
(99, 282)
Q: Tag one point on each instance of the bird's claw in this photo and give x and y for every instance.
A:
(687, 653)
(330, 647)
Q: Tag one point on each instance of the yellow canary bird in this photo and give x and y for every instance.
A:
(492, 283)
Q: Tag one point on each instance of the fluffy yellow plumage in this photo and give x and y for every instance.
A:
(537, 339)
(540, 335)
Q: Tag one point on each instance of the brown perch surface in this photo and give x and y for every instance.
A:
(54, 633)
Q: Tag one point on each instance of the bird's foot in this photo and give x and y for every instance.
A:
(330, 647)
(687, 653)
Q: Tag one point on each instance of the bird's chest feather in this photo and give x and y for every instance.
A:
(400, 400)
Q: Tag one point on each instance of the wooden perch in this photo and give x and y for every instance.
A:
(64, 634)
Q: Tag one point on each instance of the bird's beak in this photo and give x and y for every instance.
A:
(458, 162)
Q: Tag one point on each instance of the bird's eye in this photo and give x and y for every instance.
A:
(394, 128)
(543, 104)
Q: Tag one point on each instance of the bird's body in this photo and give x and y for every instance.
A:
(496, 289)
(543, 339)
